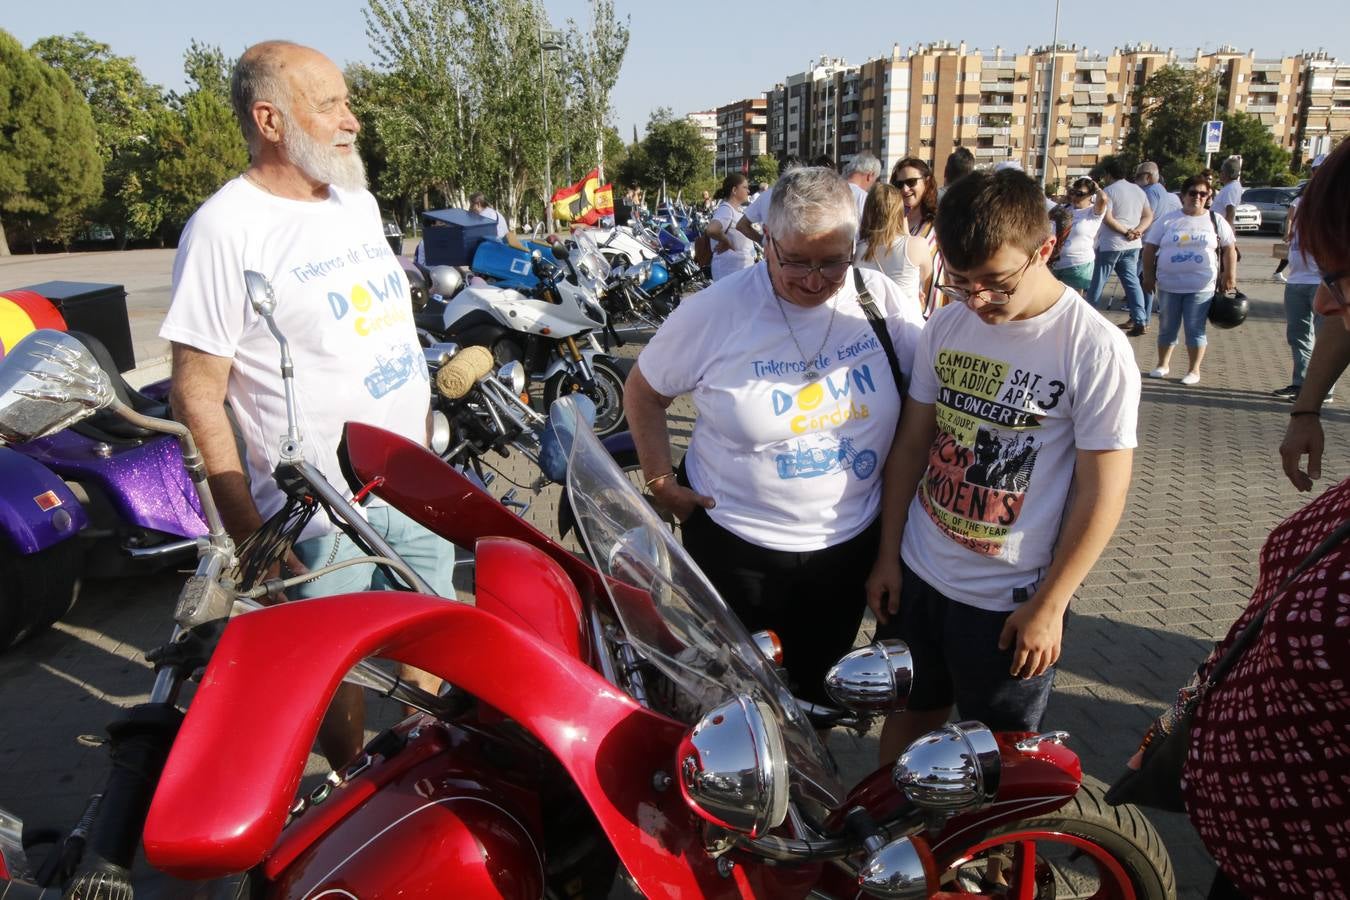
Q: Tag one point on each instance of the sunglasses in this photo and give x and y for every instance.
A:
(1080, 193)
(910, 183)
(1199, 195)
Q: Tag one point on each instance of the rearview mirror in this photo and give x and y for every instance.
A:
(260, 295)
(48, 382)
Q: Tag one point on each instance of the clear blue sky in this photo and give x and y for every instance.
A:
(696, 54)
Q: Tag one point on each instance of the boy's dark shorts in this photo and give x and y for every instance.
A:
(957, 660)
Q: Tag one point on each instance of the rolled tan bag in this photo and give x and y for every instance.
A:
(459, 375)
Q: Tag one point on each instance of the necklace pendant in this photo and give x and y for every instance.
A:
(811, 375)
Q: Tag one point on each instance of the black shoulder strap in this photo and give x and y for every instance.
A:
(878, 323)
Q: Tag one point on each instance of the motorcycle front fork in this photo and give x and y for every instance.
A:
(584, 377)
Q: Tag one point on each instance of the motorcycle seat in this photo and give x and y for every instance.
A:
(106, 425)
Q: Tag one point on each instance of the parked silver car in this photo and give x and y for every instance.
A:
(1273, 203)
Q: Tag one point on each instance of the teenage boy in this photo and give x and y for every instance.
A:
(1008, 471)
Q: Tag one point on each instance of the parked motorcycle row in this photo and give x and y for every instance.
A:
(607, 720)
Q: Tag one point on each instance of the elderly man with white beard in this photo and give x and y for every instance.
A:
(301, 215)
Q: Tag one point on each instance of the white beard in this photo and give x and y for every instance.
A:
(324, 163)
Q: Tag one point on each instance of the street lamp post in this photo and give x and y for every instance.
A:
(546, 46)
(1050, 98)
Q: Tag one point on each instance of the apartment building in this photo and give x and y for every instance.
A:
(741, 134)
(706, 123)
(927, 100)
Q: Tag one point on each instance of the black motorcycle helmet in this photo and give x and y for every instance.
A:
(1228, 310)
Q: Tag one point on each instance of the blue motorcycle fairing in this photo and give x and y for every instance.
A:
(656, 277)
(37, 508)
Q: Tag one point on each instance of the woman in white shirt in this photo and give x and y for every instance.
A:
(885, 244)
(1087, 204)
(1181, 263)
(732, 251)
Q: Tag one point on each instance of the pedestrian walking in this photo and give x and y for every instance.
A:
(1230, 195)
(1127, 217)
(1187, 254)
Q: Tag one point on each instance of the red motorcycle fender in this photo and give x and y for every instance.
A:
(508, 578)
(223, 796)
(429, 830)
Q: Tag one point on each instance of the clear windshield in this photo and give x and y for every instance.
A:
(671, 614)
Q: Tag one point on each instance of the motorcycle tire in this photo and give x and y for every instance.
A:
(37, 589)
(607, 395)
(1088, 832)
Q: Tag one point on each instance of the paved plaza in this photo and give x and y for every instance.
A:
(1207, 488)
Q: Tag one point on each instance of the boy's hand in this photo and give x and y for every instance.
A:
(883, 587)
(1038, 629)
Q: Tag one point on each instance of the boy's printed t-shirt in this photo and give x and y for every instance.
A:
(1015, 402)
(794, 465)
(1188, 261)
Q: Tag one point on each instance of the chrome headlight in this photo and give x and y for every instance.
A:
(441, 432)
(875, 678)
(513, 376)
(899, 870)
(953, 769)
(733, 767)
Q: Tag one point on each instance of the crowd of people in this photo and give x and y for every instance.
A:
(906, 403)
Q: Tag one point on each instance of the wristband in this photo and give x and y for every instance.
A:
(661, 477)
(1305, 412)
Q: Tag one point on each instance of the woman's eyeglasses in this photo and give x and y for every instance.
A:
(910, 183)
(1199, 195)
(830, 272)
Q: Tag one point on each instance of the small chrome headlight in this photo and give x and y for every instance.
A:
(872, 679)
(441, 432)
(733, 767)
(953, 769)
(513, 376)
(899, 870)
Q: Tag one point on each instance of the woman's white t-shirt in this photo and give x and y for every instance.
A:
(1080, 245)
(1188, 261)
(1302, 267)
(894, 263)
(742, 252)
(794, 465)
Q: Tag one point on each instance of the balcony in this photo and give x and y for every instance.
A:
(995, 108)
(1257, 87)
(1260, 107)
(991, 130)
(992, 152)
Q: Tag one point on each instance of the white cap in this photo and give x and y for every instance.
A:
(1008, 164)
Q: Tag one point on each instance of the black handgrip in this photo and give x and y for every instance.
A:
(140, 745)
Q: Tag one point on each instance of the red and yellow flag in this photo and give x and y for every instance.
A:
(22, 312)
(585, 202)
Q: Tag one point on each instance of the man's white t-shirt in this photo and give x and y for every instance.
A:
(742, 252)
(502, 226)
(1078, 246)
(1229, 195)
(342, 303)
(860, 196)
(1015, 402)
(794, 465)
(1188, 261)
(1302, 267)
(758, 210)
(1128, 202)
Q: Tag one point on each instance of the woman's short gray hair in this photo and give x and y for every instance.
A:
(811, 201)
(258, 76)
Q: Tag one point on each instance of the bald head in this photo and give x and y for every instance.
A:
(264, 73)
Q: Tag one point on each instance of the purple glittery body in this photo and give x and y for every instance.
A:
(146, 483)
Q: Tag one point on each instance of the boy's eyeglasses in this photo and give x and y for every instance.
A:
(992, 296)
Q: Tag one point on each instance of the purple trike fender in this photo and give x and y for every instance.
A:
(37, 508)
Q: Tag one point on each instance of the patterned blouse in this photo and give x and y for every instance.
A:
(1267, 779)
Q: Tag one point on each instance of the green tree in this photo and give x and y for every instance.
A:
(764, 169)
(193, 146)
(124, 107)
(1174, 105)
(673, 154)
(1263, 160)
(50, 171)
(595, 57)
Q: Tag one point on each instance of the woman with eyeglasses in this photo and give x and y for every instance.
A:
(731, 251)
(796, 404)
(885, 244)
(1077, 257)
(1266, 782)
(914, 178)
(1187, 254)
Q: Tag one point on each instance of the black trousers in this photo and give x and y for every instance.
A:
(813, 601)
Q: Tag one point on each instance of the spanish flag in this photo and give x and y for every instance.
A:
(23, 312)
(585, 202)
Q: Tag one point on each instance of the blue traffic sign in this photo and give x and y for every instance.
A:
(1213, 136)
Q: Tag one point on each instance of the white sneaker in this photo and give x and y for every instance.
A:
(1282, 277)
(1191, 378)
(1158, 373)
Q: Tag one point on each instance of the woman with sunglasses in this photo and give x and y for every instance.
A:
(731, 251)
(914, 178)
(885, 244)
(1182, 264)
(796, 405)
(1087, 204)
(1265, 777)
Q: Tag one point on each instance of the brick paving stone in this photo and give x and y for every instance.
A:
(1207, 488)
